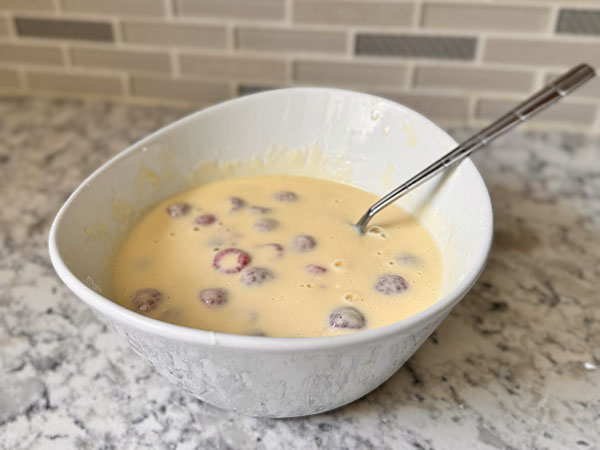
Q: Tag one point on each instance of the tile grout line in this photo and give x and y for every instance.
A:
(174, 59)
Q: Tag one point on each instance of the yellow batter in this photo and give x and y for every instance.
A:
(276, 256)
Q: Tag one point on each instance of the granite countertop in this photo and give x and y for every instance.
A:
(515, 366)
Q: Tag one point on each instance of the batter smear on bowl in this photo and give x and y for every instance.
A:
(276, 256)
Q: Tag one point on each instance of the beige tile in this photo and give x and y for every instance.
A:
(9, 79)
(590, 89)
(75, 83)
(349, 73)
(561, 113)
(436, 107)
(134, 61)
(158, 33)
(3, 27)
(542, 52)
(233, 67)
(372, 13)
(27, 5)
(469, 16)
(242, 9)
(286, 40)
(179, 90)
(64, 29)
(33, 54)
(116, 7)
(473, 79)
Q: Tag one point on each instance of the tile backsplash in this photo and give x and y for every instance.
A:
(455, 61)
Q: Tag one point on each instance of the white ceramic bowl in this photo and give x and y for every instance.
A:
(370, 142)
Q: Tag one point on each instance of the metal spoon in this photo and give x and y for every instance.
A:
(545, 97)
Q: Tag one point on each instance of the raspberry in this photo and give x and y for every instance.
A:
(264, 225)
(346, 317)
(236, 203)
(314, 269)
(390, 284)
(259, 210)
(303, 243)
(408, 259)
(255, 276)
(146, 300)
(205, 220)
(213, 297)
(285, 196)
(278, 248)
(178, 210)
(241, 260)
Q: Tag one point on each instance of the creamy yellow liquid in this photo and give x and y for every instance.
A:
(175, 256)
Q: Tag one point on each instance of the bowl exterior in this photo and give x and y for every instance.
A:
(277, 383)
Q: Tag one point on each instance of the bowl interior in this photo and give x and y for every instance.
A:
(356, 138)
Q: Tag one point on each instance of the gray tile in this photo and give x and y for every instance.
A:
(242, 9)
(578, 21)
(247, 89)
(31, 54)
(9, 79)
(372, 13)
(413, 46)
(64, 29)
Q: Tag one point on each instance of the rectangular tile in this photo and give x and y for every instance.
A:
(27, 5)
(349, 73)
(232, 9)
(233, 67)
(470, 16)
(437, 107)
(286, 40)
(247, 89)
(3, 27)
(9, 79)
(33, 54)
(116, 7)
(179, 90)
(578, 21)
(135, 61)
(473, 79)
(416, 46)
(64, 29)
(590, 89)
(541, 52)
(372, 13)
(75, 83)
(563, 113)
(191, 35)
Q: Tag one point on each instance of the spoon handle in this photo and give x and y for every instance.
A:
(545, 97)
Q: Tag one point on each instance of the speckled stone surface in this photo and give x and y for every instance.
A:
(515, 366)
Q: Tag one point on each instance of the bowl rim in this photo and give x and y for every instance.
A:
(277, 344)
